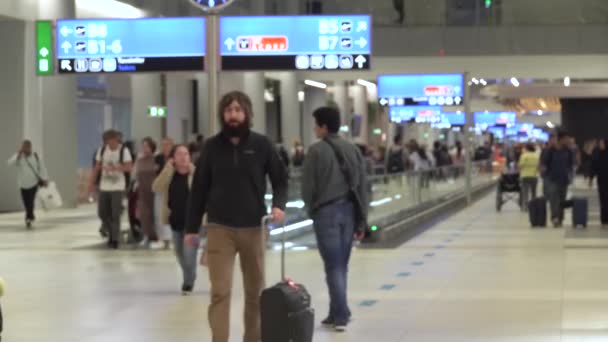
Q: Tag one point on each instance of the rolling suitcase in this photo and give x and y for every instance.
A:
(580, 215)
(285, 308)
(537, 210)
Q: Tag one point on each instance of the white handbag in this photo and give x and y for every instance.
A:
(49, 197)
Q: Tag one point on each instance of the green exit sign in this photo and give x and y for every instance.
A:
(44, 48)
(157, 112)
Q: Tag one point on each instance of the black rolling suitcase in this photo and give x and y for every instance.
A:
(580, 212)
(537, 210)
(286, 310)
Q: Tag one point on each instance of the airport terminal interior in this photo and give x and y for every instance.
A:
(482, 124)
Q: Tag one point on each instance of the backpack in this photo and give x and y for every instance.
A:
(120, 160)
(395, 161)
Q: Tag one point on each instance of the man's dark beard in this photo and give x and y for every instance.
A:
(237, 131)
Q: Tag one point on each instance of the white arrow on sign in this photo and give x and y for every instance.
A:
(457, 100)
(65, 31)
(66, 65)
(360, 60)
(383, 102)
(361, 42)
(44, 52)
(66, 46)
(229, 43)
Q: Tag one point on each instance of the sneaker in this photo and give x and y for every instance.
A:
(187, 290)
(328, 322)
(28, 224)
(340, 327)
(103, 233)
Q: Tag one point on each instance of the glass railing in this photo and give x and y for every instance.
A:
(476, 12)
(391, 195)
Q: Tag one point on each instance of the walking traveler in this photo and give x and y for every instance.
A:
(174, 184)
(558, 164)
(600, 170)
(31, 174)
(528, 168)
(229, 186)
(113, 161)
(145, 173)
(335, 192)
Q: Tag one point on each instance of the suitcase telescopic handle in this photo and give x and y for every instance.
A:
(265, 223)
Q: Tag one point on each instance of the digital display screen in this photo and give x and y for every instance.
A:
(495, 118)
(424, 90)
(130, 45)
(421, 114)
(340, 42)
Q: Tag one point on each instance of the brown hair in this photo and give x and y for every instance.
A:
(151, 143)
(239, 97)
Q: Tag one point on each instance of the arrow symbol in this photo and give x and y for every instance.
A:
(229, 43)
(383, 102)
(361, 42)
(66, 46)
(44, 52)
(65, 31)
(457, 100)
(65, 65)
(360, 60)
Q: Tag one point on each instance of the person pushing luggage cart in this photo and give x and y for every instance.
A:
(229, 185)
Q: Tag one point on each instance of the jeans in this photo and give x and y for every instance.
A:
(334, 227)
(223, 244)
(186, 257)
(109, 209)
(28, 196)
(557, 197)
(528, 191)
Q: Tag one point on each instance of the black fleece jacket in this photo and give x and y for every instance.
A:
(230, 182)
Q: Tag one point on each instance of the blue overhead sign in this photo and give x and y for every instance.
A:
(337, 42)
(426, 114)
(431, 90)
(495, 118)
(129, 45)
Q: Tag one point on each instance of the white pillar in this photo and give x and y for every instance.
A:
(359, 95)
(341, 98)
(290, 108)
(313, 99)
(145, 91)
(254, 87)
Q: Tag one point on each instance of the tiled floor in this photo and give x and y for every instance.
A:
(478, 276)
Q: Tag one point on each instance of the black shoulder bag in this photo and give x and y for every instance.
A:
(360, 217)
(41, 182)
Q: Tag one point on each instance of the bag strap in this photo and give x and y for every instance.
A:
(342, 162)
(36, 173)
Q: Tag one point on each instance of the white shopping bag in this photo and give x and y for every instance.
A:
(49, 197)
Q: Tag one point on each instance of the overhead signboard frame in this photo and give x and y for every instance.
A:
(130, 45)
(335, 42)
(421, 90)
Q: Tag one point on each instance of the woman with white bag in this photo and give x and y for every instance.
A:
(31, 174)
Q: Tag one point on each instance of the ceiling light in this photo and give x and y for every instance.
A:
(315, 84)
(483, 82)
(366, 84)
(550, 124)
(301, 96)
(567, 81)
(107, 9)
(514, 82)
(540, 112)
(474, 80)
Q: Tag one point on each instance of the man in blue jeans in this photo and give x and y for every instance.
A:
(330, 201)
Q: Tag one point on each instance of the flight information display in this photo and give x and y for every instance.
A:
(340, 42)
(495, 118)
(421, 90)
(130, 45)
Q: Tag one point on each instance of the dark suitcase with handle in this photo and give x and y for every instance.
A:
(286, 310)
(580, 212)
(537, 210)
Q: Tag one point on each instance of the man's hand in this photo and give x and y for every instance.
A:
(192, 240)
(278, 215)
(359, 235)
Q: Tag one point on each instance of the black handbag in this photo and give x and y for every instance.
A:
(361, 224)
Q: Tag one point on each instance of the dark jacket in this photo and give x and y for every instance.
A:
(230, 182)
(600, 165)
(559, 165)
(323, 180)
